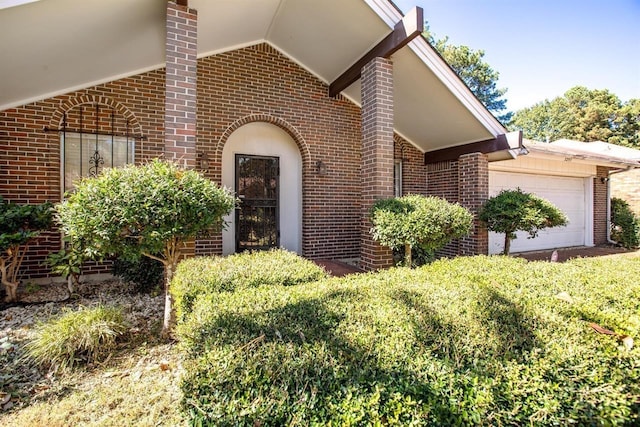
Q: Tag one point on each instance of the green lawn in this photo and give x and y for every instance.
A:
(480, 341)
(483, 340)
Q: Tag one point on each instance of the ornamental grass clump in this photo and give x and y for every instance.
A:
(77, 337)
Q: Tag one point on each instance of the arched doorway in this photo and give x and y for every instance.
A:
(262, 164)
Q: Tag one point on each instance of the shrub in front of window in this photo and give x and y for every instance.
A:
(515, 210)
(625, 225)
(417, 221)
(150, 210)
(19, 225)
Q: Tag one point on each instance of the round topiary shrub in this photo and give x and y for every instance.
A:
(514, 210)
(417, 221)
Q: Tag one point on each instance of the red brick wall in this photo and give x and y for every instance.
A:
(442, 181)
(626, 186)
(414, 174)
(473, 184)
(377, 153)
(600, 206)
(181, 48)
(248, 85)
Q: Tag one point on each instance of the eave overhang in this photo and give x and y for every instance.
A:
(54, 47)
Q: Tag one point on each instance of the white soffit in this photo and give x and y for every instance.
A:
(54, 46)
(57, 46)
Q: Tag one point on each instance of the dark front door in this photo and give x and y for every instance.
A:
(257, 222)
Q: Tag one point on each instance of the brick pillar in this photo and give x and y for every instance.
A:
(600, 206)
(473, 191)
(377, 153)
(180, 94)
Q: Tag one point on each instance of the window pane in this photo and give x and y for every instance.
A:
(397, 179)
(80, 155)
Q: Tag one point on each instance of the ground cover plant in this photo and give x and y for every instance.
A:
(199, 276)
(476, 340)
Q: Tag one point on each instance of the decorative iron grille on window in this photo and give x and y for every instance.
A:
(94, 143)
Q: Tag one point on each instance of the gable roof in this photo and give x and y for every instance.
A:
(57, 46)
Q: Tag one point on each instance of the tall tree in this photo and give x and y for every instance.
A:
(584, 115)
(470, 66)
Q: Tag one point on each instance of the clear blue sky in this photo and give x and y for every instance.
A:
(542, 48)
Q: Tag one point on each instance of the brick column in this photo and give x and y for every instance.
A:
(600, 206)
(473, 191)
(377, 153)
(180, 94)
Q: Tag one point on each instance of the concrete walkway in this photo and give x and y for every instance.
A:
(337, 268)
(569, 253)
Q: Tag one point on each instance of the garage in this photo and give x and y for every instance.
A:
(573, 195)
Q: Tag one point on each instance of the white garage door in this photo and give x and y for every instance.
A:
(571, 195)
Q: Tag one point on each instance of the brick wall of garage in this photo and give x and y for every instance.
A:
(626, 186)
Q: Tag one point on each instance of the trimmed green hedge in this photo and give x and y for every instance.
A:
(205, 275)
(482, 340)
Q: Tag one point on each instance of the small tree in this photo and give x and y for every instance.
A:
(418, 221)
(515, 210)
(19, 225)
(143, 211)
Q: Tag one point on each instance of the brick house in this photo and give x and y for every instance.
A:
(309, 110)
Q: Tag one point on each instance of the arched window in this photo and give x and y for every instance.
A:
(94, 137)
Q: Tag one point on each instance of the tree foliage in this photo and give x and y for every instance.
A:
(418, 221)
(150, 210)
(515, 210)
(583, 115)
(478, 75)
(19, 225)
(625, 225)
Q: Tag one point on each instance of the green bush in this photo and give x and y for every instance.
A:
(206, 275)
(469, 341)
(76, 337)
(625, 225)
(417, 221)
(148, 210)
(19, 225)
(145, 273)
(515, 210)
